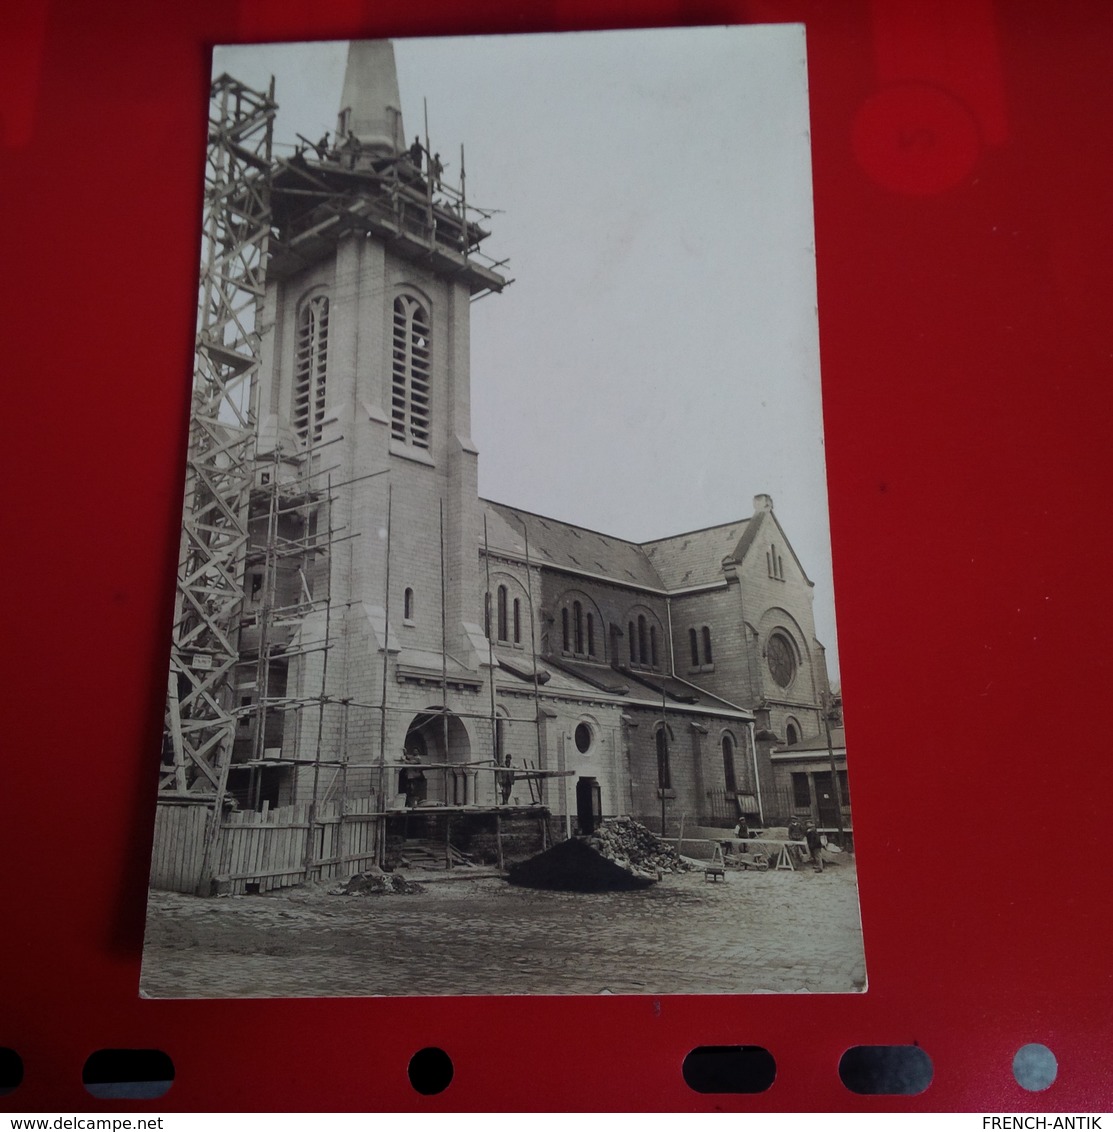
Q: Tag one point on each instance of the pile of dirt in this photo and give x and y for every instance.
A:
(376, 883)
(631, 846)
(574, 866)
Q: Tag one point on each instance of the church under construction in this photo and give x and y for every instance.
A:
(364, 649)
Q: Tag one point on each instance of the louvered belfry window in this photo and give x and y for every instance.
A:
(311, 363)
(410, 402)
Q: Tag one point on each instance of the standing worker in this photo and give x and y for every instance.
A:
(815, 846)
(505, 780)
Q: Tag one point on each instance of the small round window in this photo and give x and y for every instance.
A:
(583, 738)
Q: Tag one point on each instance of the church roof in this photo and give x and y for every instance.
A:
(556, 543)
(696, 558)
(816, 743)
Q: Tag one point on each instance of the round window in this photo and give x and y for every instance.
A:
(781, 658)
(583, 738)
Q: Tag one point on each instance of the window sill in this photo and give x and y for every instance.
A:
(409, 622)
(411, 452)
(669, 792)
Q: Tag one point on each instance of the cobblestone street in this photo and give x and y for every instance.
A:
(781, 932)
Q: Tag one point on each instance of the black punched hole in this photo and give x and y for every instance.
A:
(890, 1071)
(128, 1074)
(430, 1071)
(729, 1069)
(11, 1070)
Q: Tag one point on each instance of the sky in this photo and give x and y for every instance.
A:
(655, 362)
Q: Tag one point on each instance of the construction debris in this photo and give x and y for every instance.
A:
(428, 855)
(622, 854)
(631, 846)
(374, 882)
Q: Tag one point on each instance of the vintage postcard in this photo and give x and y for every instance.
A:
(504, 656)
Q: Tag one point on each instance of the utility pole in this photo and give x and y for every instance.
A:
(831, 705)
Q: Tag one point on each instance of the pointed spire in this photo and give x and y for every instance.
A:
(370, 106)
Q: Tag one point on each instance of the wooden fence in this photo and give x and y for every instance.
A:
(262, 850)
(180, 832)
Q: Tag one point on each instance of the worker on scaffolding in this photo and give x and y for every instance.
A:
(413, 778)
(417, 151)
(504, 778)
(436, 171)
(323, 147)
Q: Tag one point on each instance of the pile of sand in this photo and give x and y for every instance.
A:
(574, 866)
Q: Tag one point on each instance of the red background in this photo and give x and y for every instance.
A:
(962, 195)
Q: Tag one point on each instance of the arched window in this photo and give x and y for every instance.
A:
(578, 620)
(693, 644)
(517, 621)
(591, 634)
(408, 604)
(664, 778)
(410, 397)
(706, 645)
(633, 643)
(643, 647)
(728, 764)
(566, 636)
(310, 364)
(792, 732)
(501, 613)
(653, 645)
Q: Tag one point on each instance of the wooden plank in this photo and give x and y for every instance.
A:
(269, 835)
(160, 849)
(188, 841)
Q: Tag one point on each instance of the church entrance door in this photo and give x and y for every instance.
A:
(589, 805)
(827, 810)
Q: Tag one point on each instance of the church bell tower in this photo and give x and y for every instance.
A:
(366, 389)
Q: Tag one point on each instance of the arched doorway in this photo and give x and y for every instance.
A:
(440, 740)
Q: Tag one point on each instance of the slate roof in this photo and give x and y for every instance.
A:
(598, 675)
(675, 563)
(553, 679)
(559, 544)
(696, 558)
(641, 688)
(816, 743)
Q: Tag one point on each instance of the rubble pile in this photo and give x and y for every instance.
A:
(375, 882)
(574, 866)
(631, 846)
(621, 854)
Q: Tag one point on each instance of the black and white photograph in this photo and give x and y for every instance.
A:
(503, 657)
